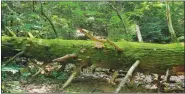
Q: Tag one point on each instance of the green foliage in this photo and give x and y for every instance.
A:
(60, 75)
(12, 69)
(98, 17)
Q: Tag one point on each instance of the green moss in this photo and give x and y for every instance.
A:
(152, 56)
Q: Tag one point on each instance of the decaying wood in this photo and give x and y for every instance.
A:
(113, 44)
(64, 58)
(87, 33)
(128, 75)
(154, 58)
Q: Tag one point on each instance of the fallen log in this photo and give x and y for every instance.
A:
(156, 58)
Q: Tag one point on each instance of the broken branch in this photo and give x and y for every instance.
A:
(100, 40)
(113, 44)
(91, 36)
(129, 74)
(62, 59)
(75, 72)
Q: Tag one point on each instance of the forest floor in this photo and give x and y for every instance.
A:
(87, 84)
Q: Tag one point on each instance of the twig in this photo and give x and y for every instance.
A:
(62, 59)
(129, 74)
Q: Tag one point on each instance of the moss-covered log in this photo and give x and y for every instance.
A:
(153, 57)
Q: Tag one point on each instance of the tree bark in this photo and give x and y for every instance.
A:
(169, 21)
(156, 58)
(140, 39)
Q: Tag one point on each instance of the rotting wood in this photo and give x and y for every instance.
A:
(154, 58)
(64, 58)
(100, 40)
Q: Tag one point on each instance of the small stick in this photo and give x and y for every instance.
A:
(129, 74)
(62, 59)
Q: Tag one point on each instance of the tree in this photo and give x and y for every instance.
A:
(169, 21)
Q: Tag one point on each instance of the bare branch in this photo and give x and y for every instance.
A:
(128, 75)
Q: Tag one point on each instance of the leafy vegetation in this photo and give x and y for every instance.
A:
(99, 17)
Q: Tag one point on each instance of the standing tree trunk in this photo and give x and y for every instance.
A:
(119, 15)
(42, 12)
(169, 21)
(140, 39)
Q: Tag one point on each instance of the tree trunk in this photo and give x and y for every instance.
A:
(119, 15)
(51, 23)
(169, 21)
(140, 39)
(156, 58)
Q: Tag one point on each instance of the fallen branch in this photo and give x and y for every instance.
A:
(113, 44)
(91, 36)
(100, 40)
(129, 74)
(30, 35)
(14, 57)
(64, 58)
(75, 72)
